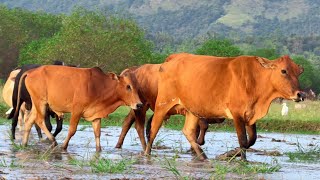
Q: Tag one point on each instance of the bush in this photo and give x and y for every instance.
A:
(217, 47)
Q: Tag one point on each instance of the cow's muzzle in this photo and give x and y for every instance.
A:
(137, 106)
(300, 96)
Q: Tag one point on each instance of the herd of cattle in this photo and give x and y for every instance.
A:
(205, 89)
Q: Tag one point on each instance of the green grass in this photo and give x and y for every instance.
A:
(12, 164)
(303, 154)
(243, 168)
(171, 166)
(110, 166)
(221, 169)
(103, 165)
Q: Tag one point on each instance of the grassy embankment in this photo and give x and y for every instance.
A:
(303, 120)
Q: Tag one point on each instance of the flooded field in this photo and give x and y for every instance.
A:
(171, 159)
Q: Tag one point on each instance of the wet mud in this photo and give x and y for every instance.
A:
(171, 158)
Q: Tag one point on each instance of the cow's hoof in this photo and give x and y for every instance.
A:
(98, 149)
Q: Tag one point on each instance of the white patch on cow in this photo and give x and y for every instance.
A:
(228, 113)
(162, 103)
(9, 111)
(133, 106)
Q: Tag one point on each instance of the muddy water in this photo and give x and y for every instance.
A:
(40, 162)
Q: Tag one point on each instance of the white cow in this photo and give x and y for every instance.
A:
(7, 92)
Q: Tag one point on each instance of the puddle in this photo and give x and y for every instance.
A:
(40, 162)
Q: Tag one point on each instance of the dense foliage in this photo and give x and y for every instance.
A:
(90, 39)
(19, 27)
(217, 47)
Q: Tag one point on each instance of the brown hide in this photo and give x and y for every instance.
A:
(91, 94)
(240, 88)
(146, 79)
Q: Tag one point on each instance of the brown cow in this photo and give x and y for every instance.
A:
(239, 88)
(91, 94)
(146, 77)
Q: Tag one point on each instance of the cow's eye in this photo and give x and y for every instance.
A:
(128, 87)
(283, 71)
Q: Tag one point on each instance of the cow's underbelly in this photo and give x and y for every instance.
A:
(202, 110)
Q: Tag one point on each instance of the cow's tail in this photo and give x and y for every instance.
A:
(17, 109)
(11, 114)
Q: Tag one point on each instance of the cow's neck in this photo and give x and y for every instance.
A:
(264, 98)
(110, 98)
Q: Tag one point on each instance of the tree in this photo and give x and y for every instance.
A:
(219, 47)
(17, 28)
(264, 52)
(309, 78)
(91, 39)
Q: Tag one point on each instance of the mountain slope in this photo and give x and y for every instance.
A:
(193, 18)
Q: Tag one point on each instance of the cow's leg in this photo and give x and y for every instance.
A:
(38, 131)
(242, 136)
(59, 122)
(96, 124)
(189, 130)
(13, 127)
(15, 120)
(47, 121)
(148, 127)
(127, 123)
(42, 124)
(27, 127)
(252, 132)
(74, 121)
(156, 123)
(201, 131)
(139, 125)
(20, 120)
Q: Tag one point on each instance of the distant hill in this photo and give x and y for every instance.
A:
(194, 18)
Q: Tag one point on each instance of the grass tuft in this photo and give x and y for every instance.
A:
(103, 165)
(110, 166)
(244, 168)
(304, 155)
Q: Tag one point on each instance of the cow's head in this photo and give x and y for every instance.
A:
(126, 90)
(284, 77)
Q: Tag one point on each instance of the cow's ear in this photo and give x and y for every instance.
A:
(13, 78)
(266, 63)
(114, 76)
(125, 72)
